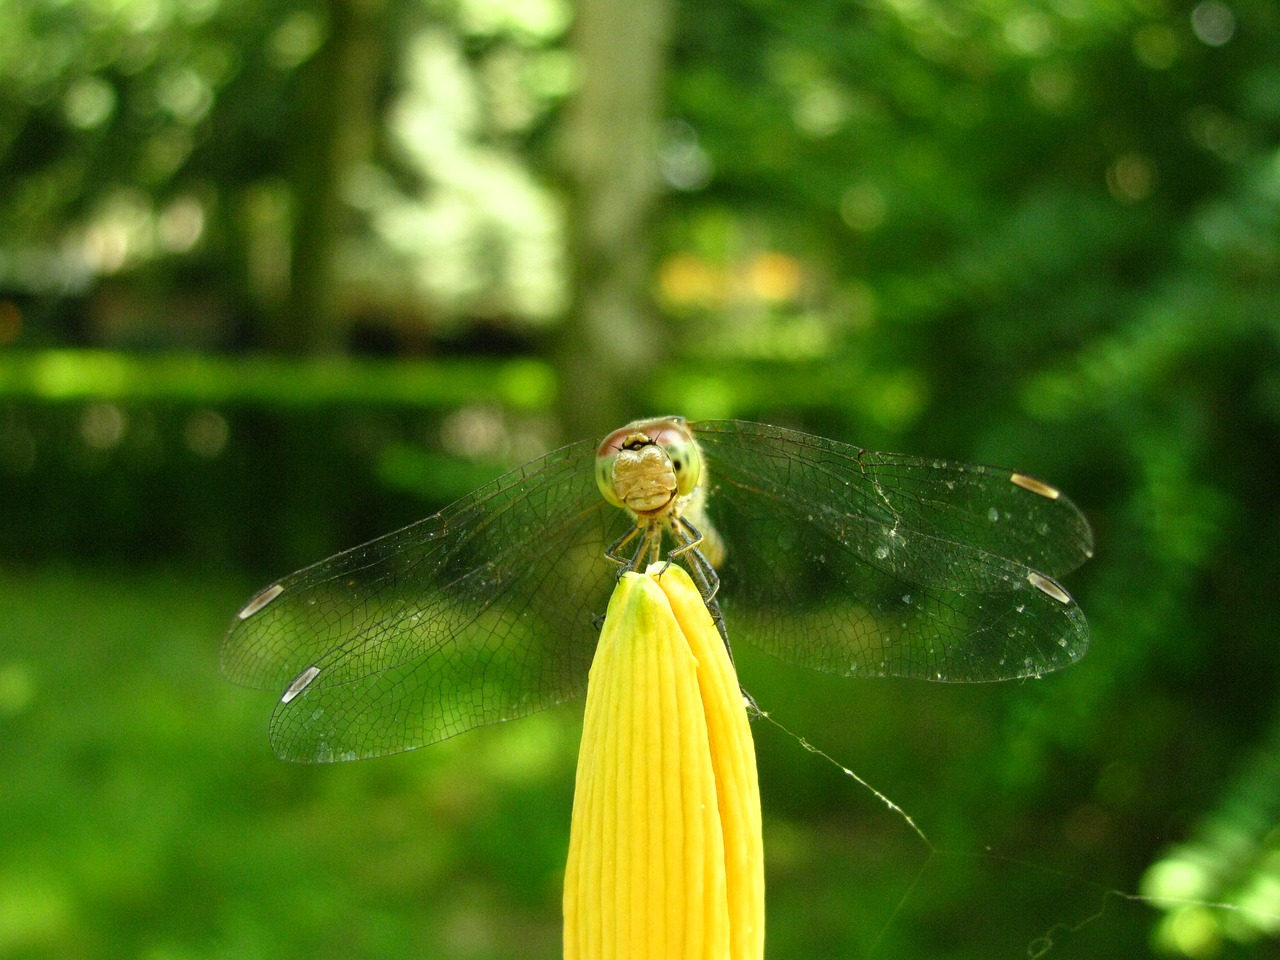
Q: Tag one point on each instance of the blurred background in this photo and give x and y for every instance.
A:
(277, 277)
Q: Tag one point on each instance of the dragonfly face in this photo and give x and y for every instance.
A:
(648, 466)
(653, 470)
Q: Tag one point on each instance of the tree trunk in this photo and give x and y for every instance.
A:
(336, 132)
(612, 338)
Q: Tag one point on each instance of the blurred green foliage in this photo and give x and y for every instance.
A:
(1038, 233)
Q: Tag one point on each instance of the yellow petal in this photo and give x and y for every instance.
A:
(664, 855)
(733, 756)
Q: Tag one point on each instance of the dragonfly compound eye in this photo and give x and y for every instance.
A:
(686, 459)
(606, 457)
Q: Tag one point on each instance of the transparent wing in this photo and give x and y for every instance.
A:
(863, 563)
(480, 613)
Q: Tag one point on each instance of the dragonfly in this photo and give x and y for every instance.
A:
(823, 554)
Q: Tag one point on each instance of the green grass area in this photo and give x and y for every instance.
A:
(145, 815)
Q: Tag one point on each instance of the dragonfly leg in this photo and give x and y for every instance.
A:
(625, 561)
(690, 539)
(708, 582)
(717, 618)
(689, 536)
(703, 573)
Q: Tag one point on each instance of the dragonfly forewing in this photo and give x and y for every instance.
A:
(889, 565)
(481, 613)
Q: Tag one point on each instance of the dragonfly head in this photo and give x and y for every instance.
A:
(646, 465)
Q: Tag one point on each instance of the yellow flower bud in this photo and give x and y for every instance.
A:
(665, 853)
